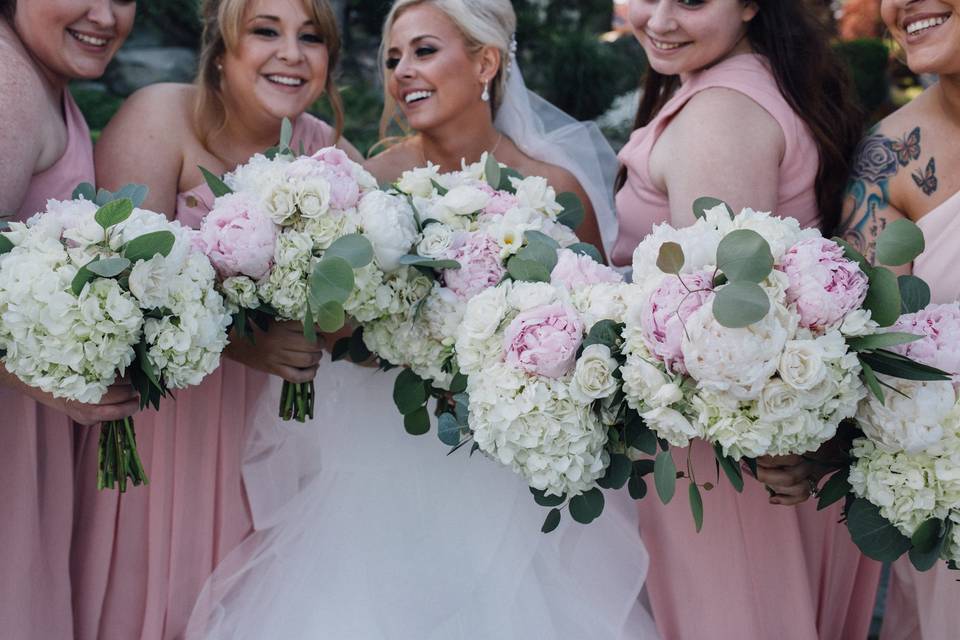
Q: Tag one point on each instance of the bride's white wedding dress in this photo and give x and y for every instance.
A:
(392, 539)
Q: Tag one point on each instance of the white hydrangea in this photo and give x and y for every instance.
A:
(912, 416)
(604, 301)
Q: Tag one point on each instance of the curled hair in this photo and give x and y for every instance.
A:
(222, 27)
(482, 23)
(813, 81)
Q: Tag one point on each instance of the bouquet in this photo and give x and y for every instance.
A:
(757, 336)
(476, 227)
(903, 482)
(306, 238)
(95, 288)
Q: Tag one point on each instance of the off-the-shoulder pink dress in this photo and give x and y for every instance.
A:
(925, 605)
(141, 558)
(36, 455)
(756, 570)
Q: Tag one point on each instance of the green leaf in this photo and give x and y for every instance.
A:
(670, 258)
(881, 340)
(870, 379)
(114, 212)
(217, 186)
(332, 280)
(573, 213)
(873, 534)
(6, 246)
(899, 243)
(491, 171)
(329, 316)
(505, 174)
(740, 304)
(730, 468)
(618, 473)
(148, 245)
(605, 332)
(358, 348)
(82, 277)
(552, 521)
(587, 507)
(744, 255)
(286, 134)
(928, 542)
(914, 294)
(696, 506)
(448, 430)
(893, 364)
(459, 383)
(665, 476)
(640, 436)
(137, 193)
(86, 191)
(354, 249)
(309, 326)
(836, 488)
(586, 249)
(853, 255)
(704, 204)
(418, 422)
(441, 190)
(537, 237)
(883, 296)
(341, 348)
(539, 252)
(542, 499)
(637, 487)
(431, 263)
(409, 392)
(527, 270)
(108, 267)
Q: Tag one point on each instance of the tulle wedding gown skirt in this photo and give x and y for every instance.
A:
(368, 533)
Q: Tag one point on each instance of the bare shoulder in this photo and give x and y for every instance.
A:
(719, 113)
(558, 177)
(389, 164)
(154, 121)
(21, 89)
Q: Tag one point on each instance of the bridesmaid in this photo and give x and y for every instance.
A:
(921, 183)
(743, 102)
(45, 152)
(141, 558)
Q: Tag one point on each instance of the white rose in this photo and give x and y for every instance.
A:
(670, 425)
(436, 241)
(149, 282)
(801, 364)
(593, 375)
(389, 225)
(313, 198)
(778, 401)
(281, 203)
(464, 200)
(419, 182)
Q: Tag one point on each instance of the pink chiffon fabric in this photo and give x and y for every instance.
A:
(36, 456)
(925, 605)
(141, 558)
(756, 570)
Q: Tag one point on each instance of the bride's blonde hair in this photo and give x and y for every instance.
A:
(222, 25)
(483, 23)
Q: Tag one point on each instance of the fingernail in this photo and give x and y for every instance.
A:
(774, 501)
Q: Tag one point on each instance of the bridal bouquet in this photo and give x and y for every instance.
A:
(903, 485)
(477, 226)
(304, 238)
(95, 288)
(757, 336)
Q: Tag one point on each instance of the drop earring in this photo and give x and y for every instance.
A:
(485, 96)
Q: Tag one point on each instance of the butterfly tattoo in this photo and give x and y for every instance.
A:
(926, 179)
(907, 148)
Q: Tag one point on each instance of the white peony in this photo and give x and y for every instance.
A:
(671, 425)
(389, 225)
(419, 182)
(912, 416)
(150, 282)
(464, 200)
(536, 193)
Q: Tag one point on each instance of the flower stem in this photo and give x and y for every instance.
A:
(117, 457)
(297, 401)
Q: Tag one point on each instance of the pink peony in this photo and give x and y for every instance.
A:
(480, 265)
(500, 203)
(238, 237)
(334, 166)
(663, 317)
(824, 285)
(574, 270)
(940, 346)
(544, 340)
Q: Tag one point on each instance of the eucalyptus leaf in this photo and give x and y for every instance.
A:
(418, 422)
(527, 270)
(541, 238)
(459, 383)
(696, 506)
(744, 255)
(928, 542)
(834, 489)
(914, 294)
(148, 245)
(332, 280)
(670, 258)
(108, 267)
(740, 304)
(103, 197)
(114, 212)
(542, 499)
(883, 296)
(730, 468)
(82, 277)
(573, 213)
(873, 534)
(704, 204)
(899, 243)
(505, 174)
(86, 191)
(665, 476)
(409, 392)
(217, 186)
(551, 522)
(353, 248)
(341, 349)
(137, 193)
(639, 435)
(539, 252)
(587, 507)
(605, 332)
(441, 190)
(618, 473)
(431, 263)
(448, 430)
(491, 171)
(853, 255)
(881, 340)
(358, 348)
(586, 249)
(329, 316)
(6, 246)
(286, 134)
(637, 487)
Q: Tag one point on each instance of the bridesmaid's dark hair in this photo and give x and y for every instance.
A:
(7, 8)
(814, 83)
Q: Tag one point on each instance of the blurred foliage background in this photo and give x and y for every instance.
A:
(579, 54)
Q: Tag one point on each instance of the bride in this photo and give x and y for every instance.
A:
(365, 532)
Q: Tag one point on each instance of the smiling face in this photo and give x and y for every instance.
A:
(430, 72)
(683, 36)
(74, 39)
(278, 67)
(928, 31)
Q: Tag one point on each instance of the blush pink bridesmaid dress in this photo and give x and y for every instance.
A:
(141, 558)
(925, 605)
(756, 570)
(36, 456)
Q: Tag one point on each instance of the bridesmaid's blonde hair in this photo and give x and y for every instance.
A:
(483, 23)
(222, 25)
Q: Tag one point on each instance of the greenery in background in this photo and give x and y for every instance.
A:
(177, 22)
(868, 60)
